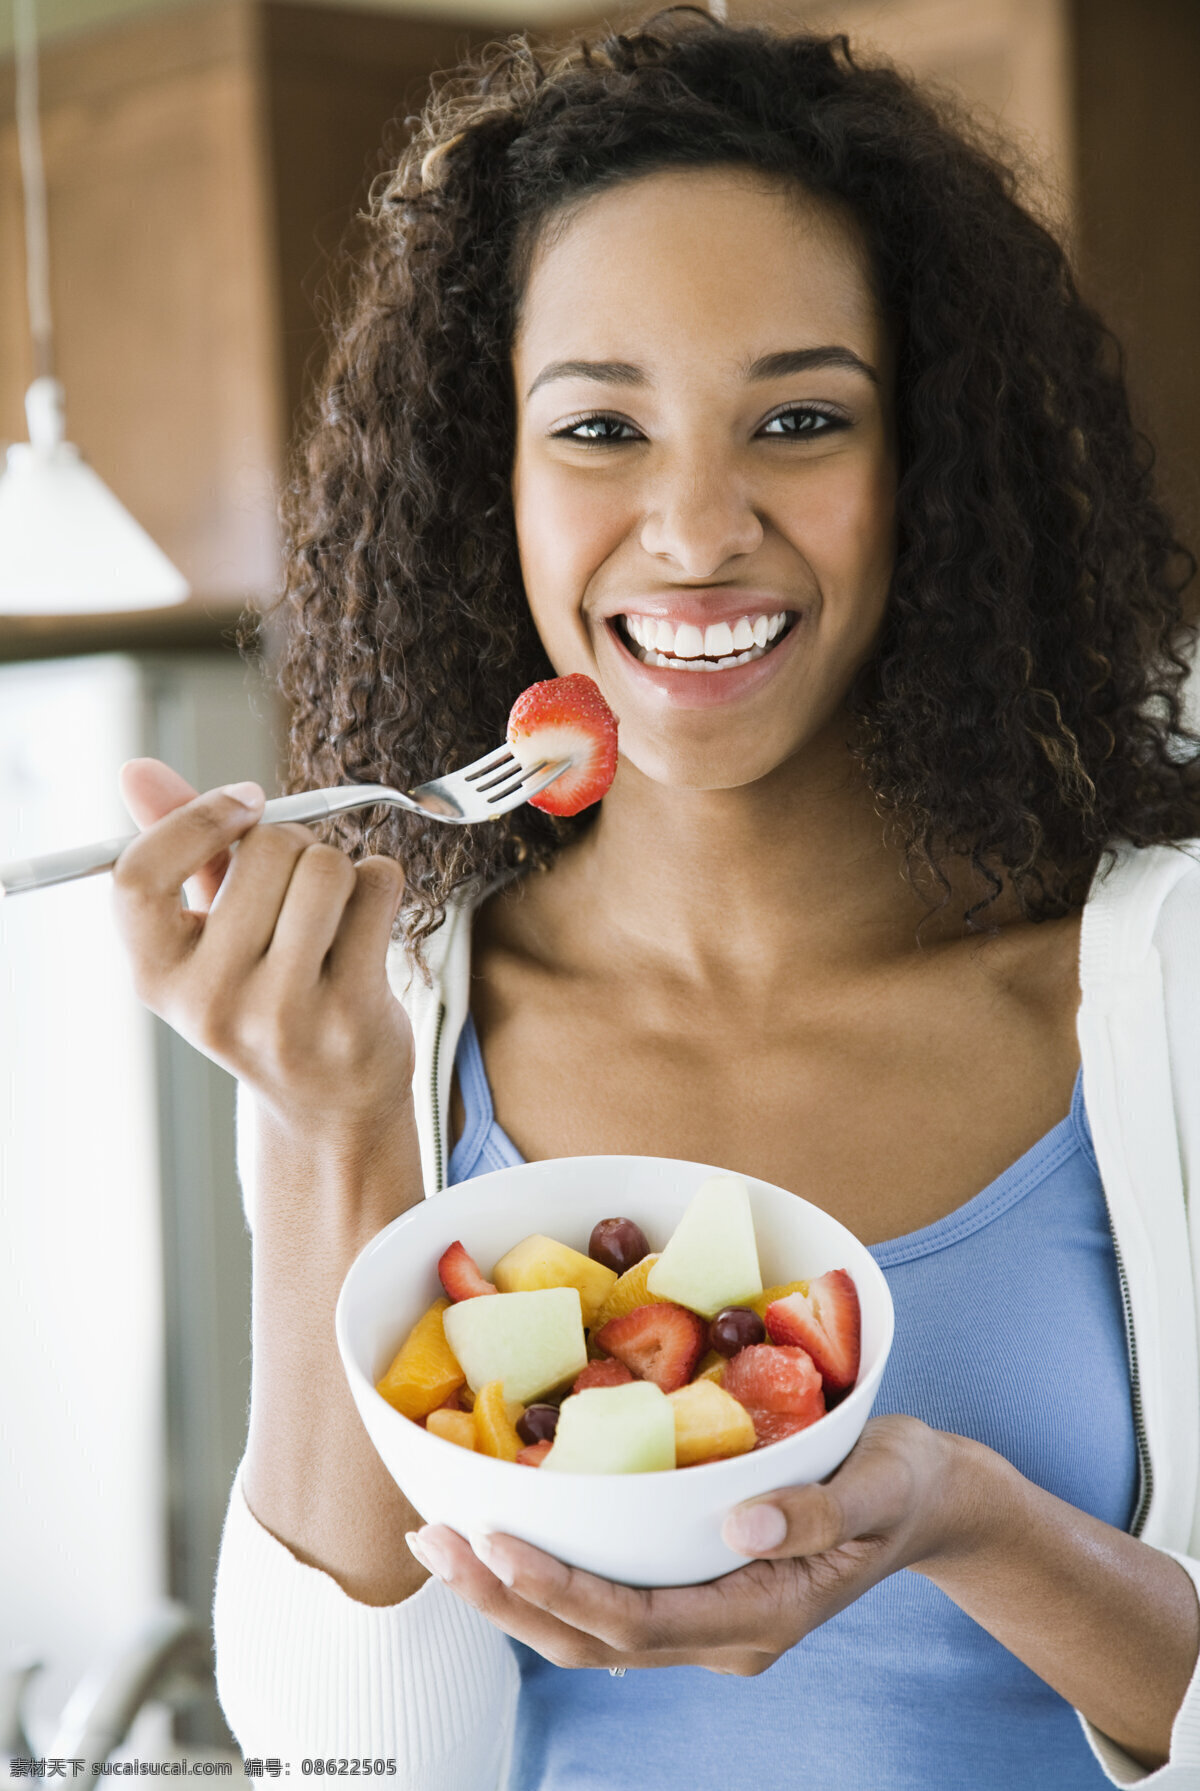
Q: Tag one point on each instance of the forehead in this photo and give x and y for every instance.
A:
(724, 255)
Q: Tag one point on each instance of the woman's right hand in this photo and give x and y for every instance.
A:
(279, 972)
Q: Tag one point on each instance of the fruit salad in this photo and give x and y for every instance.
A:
(566, 718)
(626, 1360)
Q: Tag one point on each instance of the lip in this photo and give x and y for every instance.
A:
(704, 690)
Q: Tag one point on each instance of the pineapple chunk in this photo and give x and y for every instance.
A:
(709, 1422)
(425, 1370)
(452, 1427)
(769, 1295)
(538, 1262)
(712, 1367)
(495, 1423)
(629, 1292)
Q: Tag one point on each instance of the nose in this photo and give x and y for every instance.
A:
(700, 516)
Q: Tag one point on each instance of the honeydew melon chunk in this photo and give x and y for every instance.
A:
(614, 1430)
(711, 1258)
(539, 1261)
(530, 1341)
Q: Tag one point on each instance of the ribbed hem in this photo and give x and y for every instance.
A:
(1182, 1770)
(305, 1671)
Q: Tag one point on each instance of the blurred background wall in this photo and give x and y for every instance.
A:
(203, 157)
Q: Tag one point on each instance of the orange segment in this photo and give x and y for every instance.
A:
(494, 1419)
(712, 1367)
(628, 1292)
(424, 1371)
(761, 1301)
(453, 1427)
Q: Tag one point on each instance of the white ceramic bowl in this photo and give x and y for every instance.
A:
(658, 1529)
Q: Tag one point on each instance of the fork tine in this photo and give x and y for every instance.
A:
(492, 762)
(505, 786)
(506, 772)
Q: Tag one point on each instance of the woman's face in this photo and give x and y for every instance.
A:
(704, 445)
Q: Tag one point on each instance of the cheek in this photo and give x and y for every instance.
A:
(848, 534)
(566, 529)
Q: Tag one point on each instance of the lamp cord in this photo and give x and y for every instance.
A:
(33, 185)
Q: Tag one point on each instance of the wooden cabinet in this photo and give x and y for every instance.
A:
(199, 161)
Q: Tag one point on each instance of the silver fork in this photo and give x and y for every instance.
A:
(481, 791)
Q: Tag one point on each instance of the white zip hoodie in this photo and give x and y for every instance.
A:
(302, 1669)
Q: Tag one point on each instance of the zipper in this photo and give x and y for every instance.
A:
(438, 1175)
(1139, 1418)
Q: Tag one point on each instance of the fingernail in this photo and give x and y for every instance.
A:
(755, 1528)
(492, 1557)
(429, 1552)
(249, 795)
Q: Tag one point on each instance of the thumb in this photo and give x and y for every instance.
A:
(871, 1494)
(150, 790)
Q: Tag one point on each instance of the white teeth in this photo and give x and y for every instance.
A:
(688, 648)
(718, 640)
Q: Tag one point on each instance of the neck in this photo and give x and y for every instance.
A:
(795, 868)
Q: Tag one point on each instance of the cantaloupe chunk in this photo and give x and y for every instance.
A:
(710, 1259)
(538, 1262)
(709, 1424)
(424, 1371)
(761, 1301)
(495, 1423)
(452, 1427)
(614, 1430)
(628, 1292)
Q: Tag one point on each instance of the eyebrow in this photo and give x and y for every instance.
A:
(768, 366)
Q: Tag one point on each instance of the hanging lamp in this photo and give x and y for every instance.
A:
(67, 545)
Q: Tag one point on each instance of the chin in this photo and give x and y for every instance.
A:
(714, 768)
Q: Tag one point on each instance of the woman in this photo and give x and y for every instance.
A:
(683, 334)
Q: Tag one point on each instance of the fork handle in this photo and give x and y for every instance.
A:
(90, 861)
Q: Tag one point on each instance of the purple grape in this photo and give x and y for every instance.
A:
(734, 1329)
(538, 1423)
(618, 1244)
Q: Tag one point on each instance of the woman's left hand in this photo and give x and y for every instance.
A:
(895, 1500)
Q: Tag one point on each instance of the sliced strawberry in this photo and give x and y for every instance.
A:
(660, 1343)
(604, 1372)
(534, 1454)
(772, 1427)
(782, 1382)
(827, 1323)
(566, 718)
(459, 1275)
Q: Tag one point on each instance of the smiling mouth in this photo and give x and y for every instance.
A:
(683, 647)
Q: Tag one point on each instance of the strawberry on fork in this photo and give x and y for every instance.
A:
(566, 718)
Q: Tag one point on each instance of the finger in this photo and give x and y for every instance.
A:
(868, 1496)
(148, 877)
(362, 940)
(636, 1624)
(242, 924)
(444, 1553)
(321, 885)
(151, 790)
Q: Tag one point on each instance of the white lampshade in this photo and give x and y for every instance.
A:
(67, 545)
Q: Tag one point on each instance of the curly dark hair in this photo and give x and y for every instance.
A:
(1022, 711)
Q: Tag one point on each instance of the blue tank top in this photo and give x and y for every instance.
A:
(1007, 1311)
